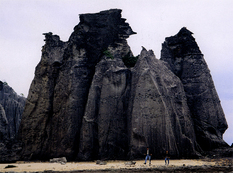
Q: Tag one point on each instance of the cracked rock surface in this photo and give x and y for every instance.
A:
(84, 103)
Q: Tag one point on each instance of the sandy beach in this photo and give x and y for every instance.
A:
(22, 166)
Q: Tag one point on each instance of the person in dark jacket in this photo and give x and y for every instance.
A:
(148, 156)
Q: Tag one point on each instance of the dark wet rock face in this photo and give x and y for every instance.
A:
(11, 109)
(85, 103)
(186, 61)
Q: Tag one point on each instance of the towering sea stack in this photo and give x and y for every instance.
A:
(160, 117)
(59, 92)
(104, 131)
(184, 58)
(35, 127)
(92, 99)
(11, 110)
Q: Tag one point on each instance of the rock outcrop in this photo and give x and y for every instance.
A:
(104, 128)
(57, 98)
(186, 61)
(11, 110)
(3, 124)
(160, 117)
(39, 104)
(88, 101)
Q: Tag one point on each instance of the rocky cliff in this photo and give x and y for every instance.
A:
(160, 117)
(186, 61)
(92, 99)
(11, 110)
(59, 91)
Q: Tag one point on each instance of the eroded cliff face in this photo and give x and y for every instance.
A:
(160, 117)
(87, 103)
(11, 110)
(186, 61)
(11, 106)
(38, 111)
(59, 93)
(104, 128)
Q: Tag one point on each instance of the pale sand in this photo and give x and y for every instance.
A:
(72, 166)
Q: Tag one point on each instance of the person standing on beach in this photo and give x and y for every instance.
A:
(148, 156)
(167, 157)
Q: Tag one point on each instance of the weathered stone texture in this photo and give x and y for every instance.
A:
(94, 34)
(85, 104)
(11, 109)
(3, 124)
(56, 105)
(186, 61)
(11, 106)
(104, 128)
(34, 130)
(160, 117)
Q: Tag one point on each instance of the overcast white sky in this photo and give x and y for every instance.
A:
(22, 23)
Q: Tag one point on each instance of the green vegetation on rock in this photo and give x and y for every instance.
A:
(108, 54)
(130, 61)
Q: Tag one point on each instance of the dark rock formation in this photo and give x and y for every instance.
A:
(11, 109)
(3, 124)
(186, 61)
(104, 128)
(57, 98)
(39, 104)
(87, 101)
(160, 117)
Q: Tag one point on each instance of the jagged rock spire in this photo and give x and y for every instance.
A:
(184, 58)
